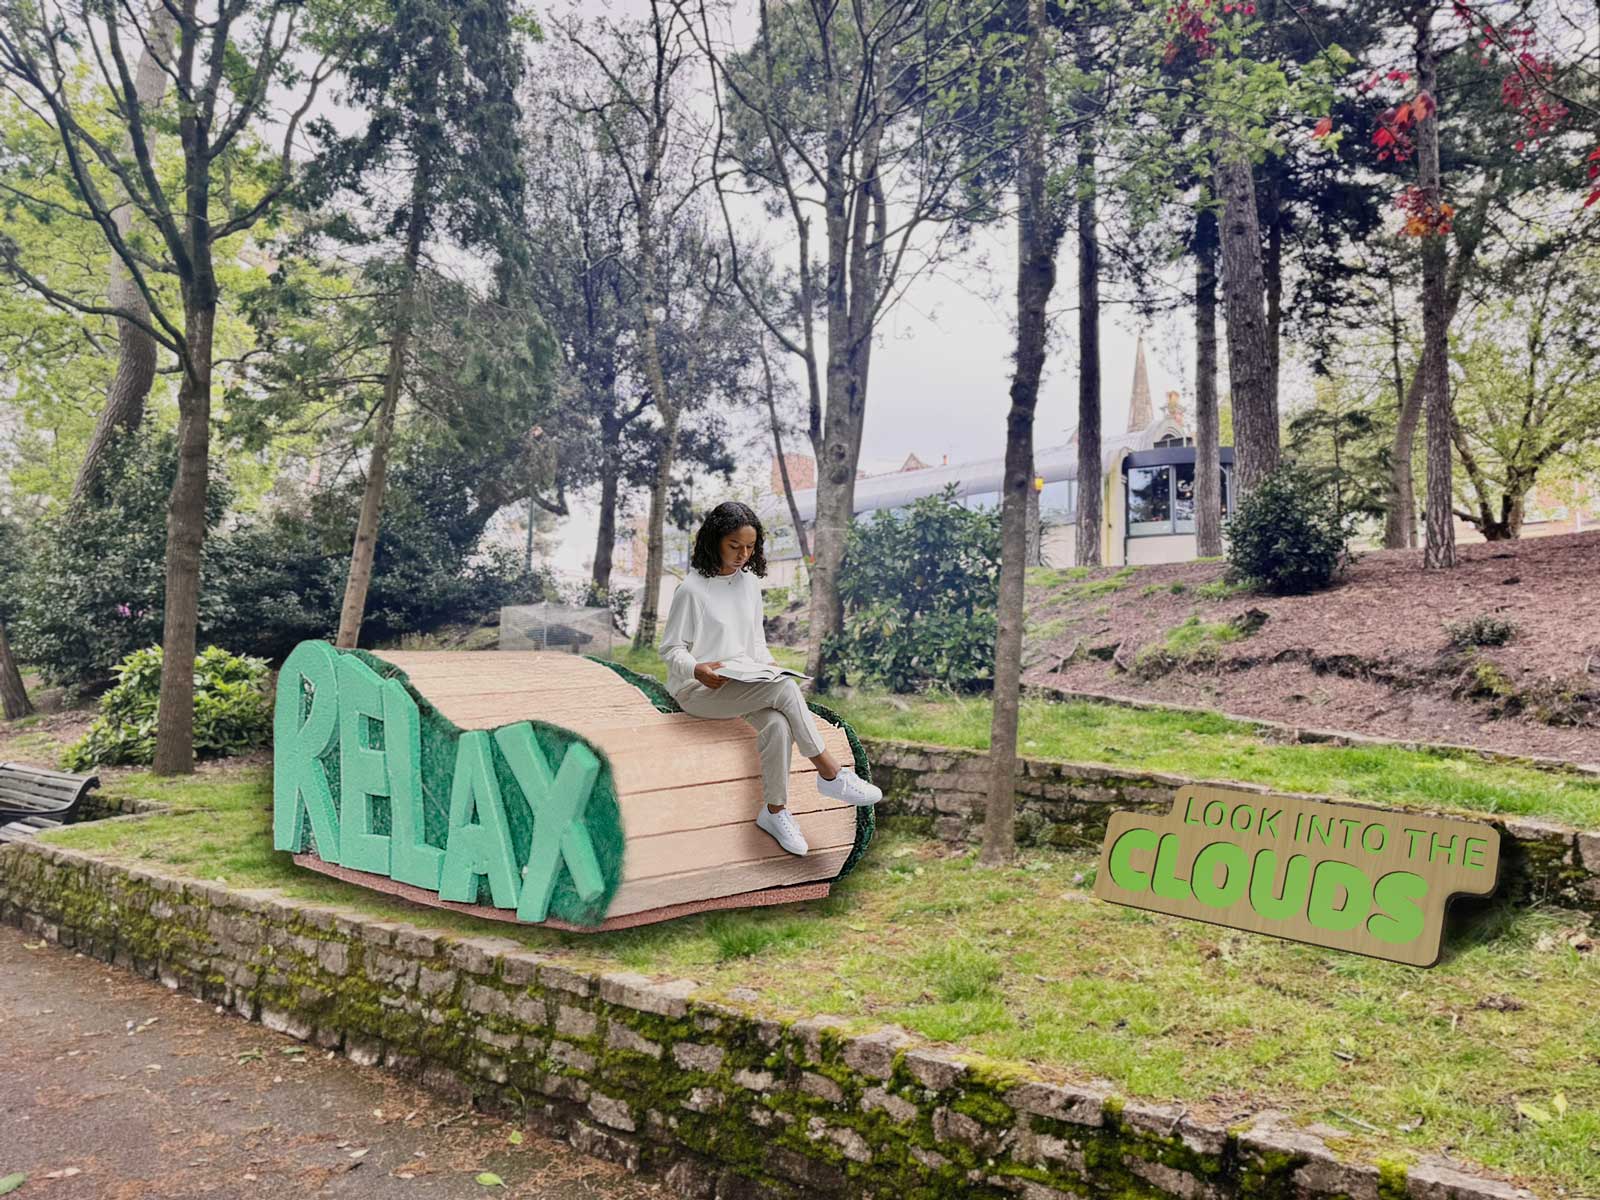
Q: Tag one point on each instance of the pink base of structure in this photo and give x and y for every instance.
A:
(405, 891)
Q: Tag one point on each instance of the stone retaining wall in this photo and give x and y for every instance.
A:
(726, 1103)
(1068, 804)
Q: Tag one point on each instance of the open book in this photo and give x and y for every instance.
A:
(748, 670)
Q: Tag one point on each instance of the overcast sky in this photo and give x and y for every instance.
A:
(941, 368)
(941, 373)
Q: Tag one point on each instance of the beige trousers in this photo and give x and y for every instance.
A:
(779, 714)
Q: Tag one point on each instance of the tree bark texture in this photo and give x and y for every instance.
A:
(1091, 515)
(365, 546)
(610, 469)
(1255, 406)
(1207, 451)
(1400, 527)
(777, 449)
(14, 700)
(136, 350)
(1439, 548)
(856, 226)
(1038, 237)
(186, 531)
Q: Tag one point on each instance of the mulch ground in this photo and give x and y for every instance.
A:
(1384, 620)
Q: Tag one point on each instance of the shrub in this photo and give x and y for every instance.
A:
(920, 590)
(96, 584)
(232, 710)
(1481, 630)
(1286, 535)
(280, 577)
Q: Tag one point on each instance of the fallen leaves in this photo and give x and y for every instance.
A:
(1576, 938)
(11, 1183)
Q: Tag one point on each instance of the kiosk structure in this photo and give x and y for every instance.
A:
(538, 787)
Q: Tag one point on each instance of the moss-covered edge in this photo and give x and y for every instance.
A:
(866, 819)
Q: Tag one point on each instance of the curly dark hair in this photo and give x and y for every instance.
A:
(719, 523)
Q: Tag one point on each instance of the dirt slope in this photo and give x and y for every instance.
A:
(1370, 655)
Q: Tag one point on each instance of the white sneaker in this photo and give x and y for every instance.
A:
(781, 826)
(849, 787)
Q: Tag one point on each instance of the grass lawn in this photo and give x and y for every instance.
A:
(1215, 748)
(1495, 1052)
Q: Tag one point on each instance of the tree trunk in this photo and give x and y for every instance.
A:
(1399, 520)
(136, 350)
(777, 448)
(1090, 485)
(852, 304)
(650, 298)
(1207, 453)
(606, 538)
(1400, 527)
(1255, 407)
(14, 700)
(655, 557)
(1037, 237)
(366, 542)
(1272, 269)
(1439, 549)
(186, 531)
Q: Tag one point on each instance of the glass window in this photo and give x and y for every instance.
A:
(984, 500)
(1057, 497)
(1183, 497)
(1149, 500)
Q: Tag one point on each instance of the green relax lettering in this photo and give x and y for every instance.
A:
(344, 700)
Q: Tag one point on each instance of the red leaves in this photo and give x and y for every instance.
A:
(1593, 196)
(1393, 137)
(1423, 217)
(1191, 22)
(1323, 129)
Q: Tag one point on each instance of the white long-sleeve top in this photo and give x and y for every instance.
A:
(710, 620)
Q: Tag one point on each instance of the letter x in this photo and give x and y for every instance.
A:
(558, 830)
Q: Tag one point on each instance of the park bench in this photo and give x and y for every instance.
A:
(35, 798)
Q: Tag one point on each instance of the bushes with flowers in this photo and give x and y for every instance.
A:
(232, 710)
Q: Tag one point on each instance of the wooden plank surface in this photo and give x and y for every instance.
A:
(688, 788)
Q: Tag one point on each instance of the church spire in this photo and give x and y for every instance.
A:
(1140, 414)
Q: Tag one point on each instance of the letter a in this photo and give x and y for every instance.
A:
(481, 847)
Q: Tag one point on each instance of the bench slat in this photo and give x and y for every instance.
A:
(39, 793)
(11, 785)
(28, 769)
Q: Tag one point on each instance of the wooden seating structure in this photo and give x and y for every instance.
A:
(688, 788)
(35, 798)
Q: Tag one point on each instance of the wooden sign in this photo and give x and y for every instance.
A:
(536, 787)
(1367, 880)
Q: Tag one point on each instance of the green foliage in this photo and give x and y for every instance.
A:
(232, 710)
(13, 566)
(1341, 444)
(97, 582)
(618, 600)
(1481, 630)
(280, 579)
(1287, 535)
(920, 591)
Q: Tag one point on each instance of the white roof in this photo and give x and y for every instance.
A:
(974, 478)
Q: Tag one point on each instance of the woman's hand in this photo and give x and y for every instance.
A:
(706, 673)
